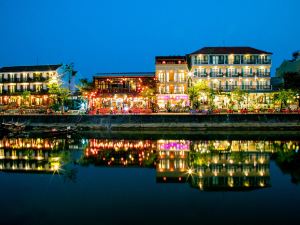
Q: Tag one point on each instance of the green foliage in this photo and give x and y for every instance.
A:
(284, 96)
(59, 93)
(85, 85)
(238, 95)
(26, 97)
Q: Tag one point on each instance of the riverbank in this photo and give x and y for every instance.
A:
(180, 122)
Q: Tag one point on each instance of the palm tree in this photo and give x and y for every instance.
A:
(193, 96)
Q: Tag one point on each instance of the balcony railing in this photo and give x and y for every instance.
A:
(242, 61)
(244, 87)
(117, 90)
(199, 62)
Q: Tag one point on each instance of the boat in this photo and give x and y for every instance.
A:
(63, 131)
(12, 127)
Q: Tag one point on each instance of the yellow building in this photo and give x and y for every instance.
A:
(172, 75)
(228, 68)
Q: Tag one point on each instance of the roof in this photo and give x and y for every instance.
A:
(229, 50)
(170, 60)
(29, 68)
(176, 57)
(129, 74)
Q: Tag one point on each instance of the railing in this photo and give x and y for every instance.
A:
(244, 87)
(199, 62)
(20, 80)
(242, 61)
(117, 90)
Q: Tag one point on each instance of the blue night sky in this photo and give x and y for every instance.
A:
(125, 36)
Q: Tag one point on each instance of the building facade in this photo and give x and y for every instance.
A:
(121, 91)
(228, 68)
(172, 75)
(16, 80)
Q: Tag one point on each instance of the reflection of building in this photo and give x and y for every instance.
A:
(173, 160)
(172, 75)
(120, 152)
(14, 81)
(29, 155)
(231, 170)
(122, 90)
(212, 165)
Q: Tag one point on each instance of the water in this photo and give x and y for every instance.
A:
(116, 180)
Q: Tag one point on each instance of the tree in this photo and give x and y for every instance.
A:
(193, 93)
(149, 94)
(26, 97)
(85, 85)
(284, 96)
(239, 96)
(59, 93)
(195, 90)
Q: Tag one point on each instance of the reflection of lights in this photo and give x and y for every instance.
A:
(261, 173)
(200, 185)
(261, 183)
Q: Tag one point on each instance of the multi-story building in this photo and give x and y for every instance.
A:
(172, 76)
(14, 81)
(228, 68)
(122, 90)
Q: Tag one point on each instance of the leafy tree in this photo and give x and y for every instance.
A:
(85, 85)
(284, 96)
(238, 95)
(59, 93)
(26, 97)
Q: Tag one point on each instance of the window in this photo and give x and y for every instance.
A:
(161, 77)
(216, 71)
(179, 77)
(167, 89)
(215, 59)
(12, 89)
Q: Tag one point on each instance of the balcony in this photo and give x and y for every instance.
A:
(216, 74)
(117, 91)
(200, 75)
(264, 74)
(266, 61)
(244, 87)
(200, 62)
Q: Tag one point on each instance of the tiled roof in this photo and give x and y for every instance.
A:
(129, 74)
(229, 50)
(29, 68)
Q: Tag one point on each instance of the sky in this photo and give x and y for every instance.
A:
(125, 36)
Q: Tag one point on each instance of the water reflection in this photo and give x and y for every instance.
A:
(230, 165)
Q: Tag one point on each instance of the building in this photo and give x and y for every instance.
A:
(123, 90)
(228, 68)
(16, 80)
(172, 75)
(289, 72)
(289, 66)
